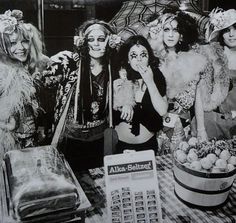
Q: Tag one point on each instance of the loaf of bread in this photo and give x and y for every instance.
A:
(39, 182)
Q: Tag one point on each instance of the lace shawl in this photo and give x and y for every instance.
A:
(214, 84)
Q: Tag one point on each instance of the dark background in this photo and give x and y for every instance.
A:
(61, 17)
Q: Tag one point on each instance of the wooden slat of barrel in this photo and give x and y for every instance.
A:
(201, 189)
(203, 183)
(202, 200)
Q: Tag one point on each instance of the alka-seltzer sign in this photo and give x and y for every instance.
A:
(132, 188)
(130, 167)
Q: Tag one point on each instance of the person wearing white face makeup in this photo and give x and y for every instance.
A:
(84, 74)
(139, 96)
(20, 57)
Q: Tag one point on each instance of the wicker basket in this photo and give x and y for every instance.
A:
(201, 189)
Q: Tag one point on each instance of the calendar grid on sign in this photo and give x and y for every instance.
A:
(132, 188)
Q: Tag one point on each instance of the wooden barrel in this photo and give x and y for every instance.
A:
(201, 189)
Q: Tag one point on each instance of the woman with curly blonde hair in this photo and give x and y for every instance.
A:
(21, 58)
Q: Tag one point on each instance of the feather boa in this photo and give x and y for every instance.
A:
(180, 70)
(16, 90)
(214, 84)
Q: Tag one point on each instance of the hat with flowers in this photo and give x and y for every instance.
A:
(114, 40)
(219, 20)
(9, 20)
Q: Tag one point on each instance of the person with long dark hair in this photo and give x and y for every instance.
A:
(221, 33)
(83, 74)
(139, 96)
(182, 68)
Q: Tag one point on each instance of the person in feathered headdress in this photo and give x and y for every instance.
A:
(220, 120)
(20, 57)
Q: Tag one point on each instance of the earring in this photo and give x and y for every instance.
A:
(180, 39)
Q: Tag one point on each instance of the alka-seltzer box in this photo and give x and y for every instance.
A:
(132, 189)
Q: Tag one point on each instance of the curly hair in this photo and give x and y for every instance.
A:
(186, 26)
(28, 32)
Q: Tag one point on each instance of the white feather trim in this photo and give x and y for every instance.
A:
(16, 90)
(181, 70)
(214, 84)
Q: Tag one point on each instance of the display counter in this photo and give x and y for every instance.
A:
(173, 210)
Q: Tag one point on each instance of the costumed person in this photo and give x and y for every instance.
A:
(20, 58)
(153, 32)
(84, 74)
(139, 97)
(182, 68)
(220, 122)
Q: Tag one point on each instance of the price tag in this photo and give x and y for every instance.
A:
(170, 119)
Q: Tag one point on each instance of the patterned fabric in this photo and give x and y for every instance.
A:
(214, 82)
(181, 78)
(64, 71)
(132, 17)
(61, 72)
(19, 107)
(186, 98)
(173, 210)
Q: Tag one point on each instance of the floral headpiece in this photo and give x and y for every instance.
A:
(9, 20)
(155, 28)
(219, 20)
(114, 40)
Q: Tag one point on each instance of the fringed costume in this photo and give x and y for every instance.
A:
(19, 108)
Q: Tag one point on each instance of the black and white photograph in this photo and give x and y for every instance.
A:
(103, 102)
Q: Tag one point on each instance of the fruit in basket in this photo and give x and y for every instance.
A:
(192, 150)
(232, 160)
(216, 170)
(225, 155)
(193, 141)
(181, 156)
(206, 163)
(221, 164)
(183, 146)
(212, 157)
(230, 167)
(217, 151)
(196, 165)
(192, 157)
(208, 156)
